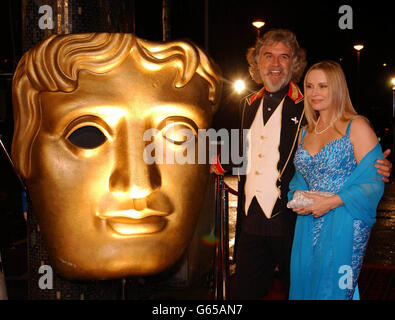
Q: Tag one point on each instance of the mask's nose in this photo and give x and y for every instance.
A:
(131, 175)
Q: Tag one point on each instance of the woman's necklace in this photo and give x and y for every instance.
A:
(322, 131)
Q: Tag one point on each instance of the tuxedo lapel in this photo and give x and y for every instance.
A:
(251, 106)
(249, 113)
(292, 115)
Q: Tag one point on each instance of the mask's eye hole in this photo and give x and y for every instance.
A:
(178, 133)
(87, 137)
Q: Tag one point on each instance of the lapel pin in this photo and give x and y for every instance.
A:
(295, 120)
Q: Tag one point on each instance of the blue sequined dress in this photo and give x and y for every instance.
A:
(328, 170)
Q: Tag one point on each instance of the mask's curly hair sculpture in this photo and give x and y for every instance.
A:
(279, 35)
(54, 65)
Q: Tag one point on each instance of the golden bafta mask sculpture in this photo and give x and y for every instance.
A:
(82, 104)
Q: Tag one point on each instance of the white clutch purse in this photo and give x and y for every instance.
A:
(300, 201)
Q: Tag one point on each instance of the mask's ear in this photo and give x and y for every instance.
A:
(209, 71)
(27, 118)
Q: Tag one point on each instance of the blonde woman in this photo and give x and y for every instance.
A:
(336, 153)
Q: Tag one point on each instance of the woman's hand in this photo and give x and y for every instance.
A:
(321, 206)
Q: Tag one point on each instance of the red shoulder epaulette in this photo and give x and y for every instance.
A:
(294, 93)
(255, 96)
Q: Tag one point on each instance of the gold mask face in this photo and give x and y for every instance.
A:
(79, 142)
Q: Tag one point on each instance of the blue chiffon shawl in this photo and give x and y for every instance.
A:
(316, 272)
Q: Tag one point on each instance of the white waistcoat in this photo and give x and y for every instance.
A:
(263, 144)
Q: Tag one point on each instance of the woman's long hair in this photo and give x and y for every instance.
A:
(338, 91)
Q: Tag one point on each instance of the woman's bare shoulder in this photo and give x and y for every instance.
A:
(362, 136)
(360, 125)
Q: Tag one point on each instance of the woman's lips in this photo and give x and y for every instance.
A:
(316, 101)
(133, 222)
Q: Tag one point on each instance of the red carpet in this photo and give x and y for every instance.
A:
(375, 283)
(277, 291)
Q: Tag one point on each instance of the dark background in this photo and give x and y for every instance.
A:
(230, 34)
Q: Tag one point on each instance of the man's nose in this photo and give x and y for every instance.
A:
(131, 176)
(275, 61)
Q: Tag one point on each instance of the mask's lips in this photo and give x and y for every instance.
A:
(133, 222)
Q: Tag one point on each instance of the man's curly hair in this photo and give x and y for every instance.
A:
(279, 35)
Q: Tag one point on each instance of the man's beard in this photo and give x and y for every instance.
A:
(274, 87)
